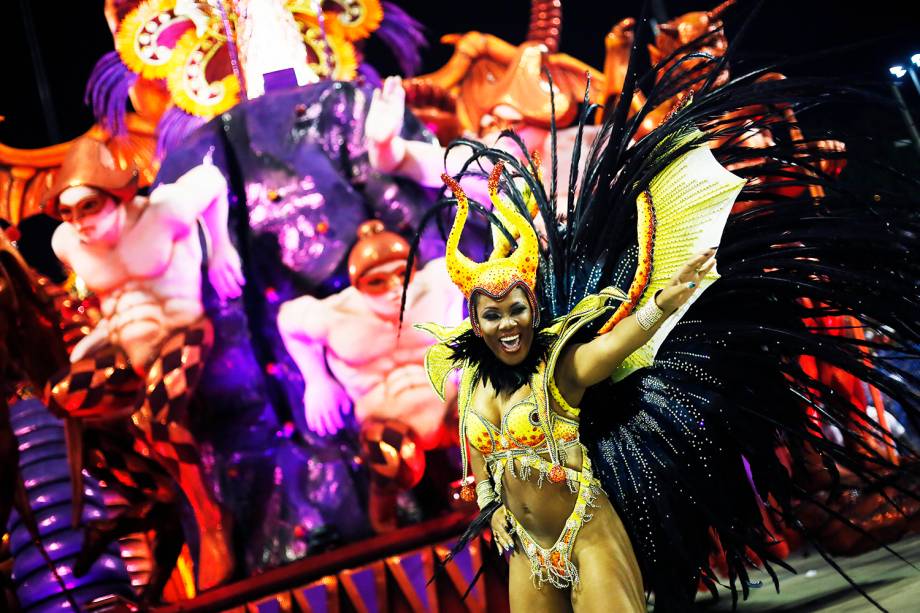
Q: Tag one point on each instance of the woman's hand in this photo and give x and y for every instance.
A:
(503, 537)
(686, 281)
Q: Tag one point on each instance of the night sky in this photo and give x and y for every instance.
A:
(73, 35)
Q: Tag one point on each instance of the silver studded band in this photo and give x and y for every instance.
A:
(649, 314)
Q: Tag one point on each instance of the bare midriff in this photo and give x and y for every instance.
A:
(541, 509)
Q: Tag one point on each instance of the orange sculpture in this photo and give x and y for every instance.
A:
(699, 31)
(489, 83)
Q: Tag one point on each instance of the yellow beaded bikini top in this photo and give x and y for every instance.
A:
(521, 431)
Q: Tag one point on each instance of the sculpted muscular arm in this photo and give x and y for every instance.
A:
(201, 193)
(389, 152)
(590, 363)
(421, 161)
(303, 328)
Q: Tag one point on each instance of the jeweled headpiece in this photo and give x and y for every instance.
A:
(92, 163)
(500, 274)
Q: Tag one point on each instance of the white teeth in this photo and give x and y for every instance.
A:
(510, 343)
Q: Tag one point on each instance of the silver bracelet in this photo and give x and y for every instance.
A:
(485, 494)
(649, 314)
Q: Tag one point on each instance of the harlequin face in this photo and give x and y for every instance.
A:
(382, 288)
(506, 325)
(92, 213)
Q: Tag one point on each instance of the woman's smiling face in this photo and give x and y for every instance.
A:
(506, 325)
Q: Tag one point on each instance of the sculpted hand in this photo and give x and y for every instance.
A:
(226, 272)
(686, 281)
(384, 125)
(325, 401)
(500, 530)
(90, 343)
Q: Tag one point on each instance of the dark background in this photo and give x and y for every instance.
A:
(72, 35)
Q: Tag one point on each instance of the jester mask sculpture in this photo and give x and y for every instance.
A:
(489, 86)
(142, 361)
(370, 363)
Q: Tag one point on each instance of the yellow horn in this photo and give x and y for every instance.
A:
(531, 201)
(526, 256)
(501, 246)
(537, 164)
(462, 270)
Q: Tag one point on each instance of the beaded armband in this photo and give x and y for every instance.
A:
(485, 494)
(649, 314)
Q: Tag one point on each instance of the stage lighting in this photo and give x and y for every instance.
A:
(898, 71)
(915, 59)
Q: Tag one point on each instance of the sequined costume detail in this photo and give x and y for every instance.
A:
(532, 435)
(520, 432)
(522, 439)
(554, 564)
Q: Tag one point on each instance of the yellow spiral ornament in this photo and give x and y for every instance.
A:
(190, 81)
(359, 18)
(147, 38)
(354, 19)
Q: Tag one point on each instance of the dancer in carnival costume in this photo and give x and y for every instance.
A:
(685, 396)
(520, 388)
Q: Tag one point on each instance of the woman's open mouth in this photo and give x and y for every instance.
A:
(510, 344)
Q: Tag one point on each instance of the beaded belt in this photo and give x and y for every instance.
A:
(554, 564)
